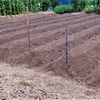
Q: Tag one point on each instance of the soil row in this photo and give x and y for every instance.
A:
(48, 45)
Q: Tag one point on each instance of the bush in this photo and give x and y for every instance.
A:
(89, 9)
(96, 3)
(97, 10)
(45, 4)
(9, 7)
(92, 9)
(34, 5)
(63, 9)
(79, 5)
(37, 5)
(49, 3)
(54, 3)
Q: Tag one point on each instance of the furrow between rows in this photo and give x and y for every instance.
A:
(50, 45)
(37, 55)
(35, 24)
(36, 40)
(9, 34)
(19, 35)
(81, 26)
(80, 37)
(35, 20)
(18, 51)
(76, 27)
(87, 66)
(83, 48)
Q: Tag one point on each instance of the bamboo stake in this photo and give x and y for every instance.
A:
(66, 47)
(29, 46)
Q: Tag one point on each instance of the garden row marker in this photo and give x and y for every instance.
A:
(29, 45)
(66, 47)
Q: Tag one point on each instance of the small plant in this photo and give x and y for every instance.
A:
(63, 9)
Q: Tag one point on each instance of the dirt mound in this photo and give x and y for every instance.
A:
(48, 44)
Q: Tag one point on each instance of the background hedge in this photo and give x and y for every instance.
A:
(63, 9)
(9, 7)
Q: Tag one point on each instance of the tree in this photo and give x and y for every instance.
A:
(54, 3)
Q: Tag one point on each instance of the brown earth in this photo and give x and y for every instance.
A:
(20, 83)
(48, 45)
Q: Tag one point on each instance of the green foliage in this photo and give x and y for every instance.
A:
(9, 7)
(63, 9)
(97, 10)
(45, 4)
(96, 3)
(36, 8)
(88, 6)
(37, 5)
(34, 5)
(54, 3)
(89, 9)
(94, 7)
(79, 5)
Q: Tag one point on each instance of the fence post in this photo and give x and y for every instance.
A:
(66, 47)
(29, 45)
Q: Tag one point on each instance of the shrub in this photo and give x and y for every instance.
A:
(79, 5)
(96, 3)
(34, 5)
(63, 9)
(9, 7)
(54, 3)
(89, 9)
(92, 9)
(97, 10)
(45, 4)
(49, 3)
(37, 5)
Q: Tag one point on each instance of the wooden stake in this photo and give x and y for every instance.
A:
(29, 45)
(66, 47)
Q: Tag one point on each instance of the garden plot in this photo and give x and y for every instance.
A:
(48, 44)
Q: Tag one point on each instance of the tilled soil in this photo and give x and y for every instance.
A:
(48, 45)
(20, 83)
